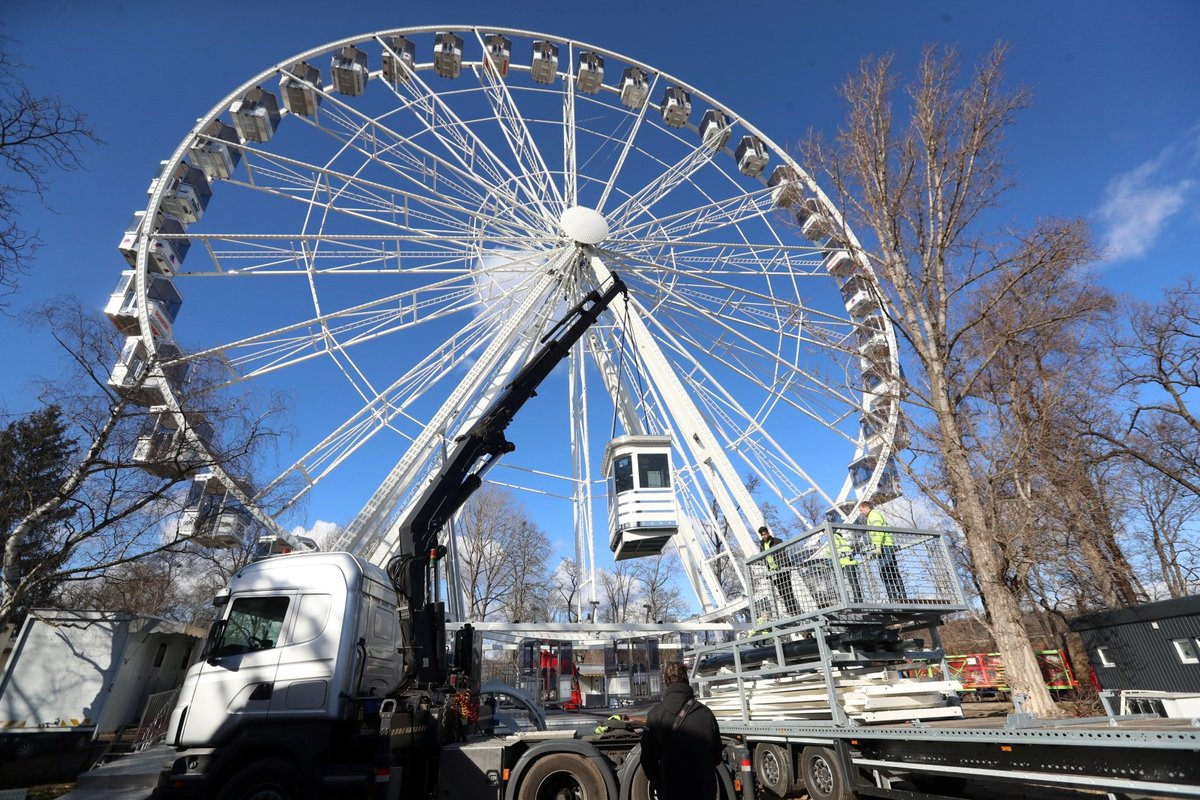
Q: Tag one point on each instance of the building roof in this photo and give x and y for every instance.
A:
(1150, 612)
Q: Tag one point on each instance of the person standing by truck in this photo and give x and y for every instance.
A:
(681, 743)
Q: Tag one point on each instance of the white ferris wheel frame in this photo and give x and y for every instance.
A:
(372, 533)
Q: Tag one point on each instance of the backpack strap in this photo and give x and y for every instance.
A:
(683, 712)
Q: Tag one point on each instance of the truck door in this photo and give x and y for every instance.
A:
(236, 681)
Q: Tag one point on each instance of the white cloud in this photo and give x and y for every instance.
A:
(1138, 203)
(322, 532)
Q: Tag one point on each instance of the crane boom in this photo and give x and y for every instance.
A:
(473, 454)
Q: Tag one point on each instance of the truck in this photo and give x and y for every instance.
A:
(75, 676)
(328, 675)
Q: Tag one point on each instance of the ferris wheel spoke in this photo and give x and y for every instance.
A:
(461, 141)
(685, 227)
(382, 412)
(301, 341)
(403, 220)
(570, 175)
(512, 122)
(305, 176)
(626, 147)
(374, 139)
(640, 203)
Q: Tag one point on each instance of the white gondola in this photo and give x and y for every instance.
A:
(299, 89)
(161, 295)
(216, 150)
(168, 245)
(840, 264)
(642, 512)
(751, 156)
(129, 376)
(635, 88)
(676, 107)
(861, 470)
(256, 115)
(499, 53)
(212, 517)
(163, 448)
(858, 296)
(871, 427)
(590, 73)
(399, 59)
(715, 129)
(544, 67)
(447, 54)
(813, 221)
(187, 194)
(349, 70)
(786, 189)
(872, 337)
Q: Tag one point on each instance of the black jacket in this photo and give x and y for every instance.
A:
(681, 763)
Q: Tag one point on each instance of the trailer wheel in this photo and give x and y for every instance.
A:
(823, 775)
(773, 769)
(562, 776)
(269, 779)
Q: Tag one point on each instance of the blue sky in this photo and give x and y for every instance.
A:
(1113, 135)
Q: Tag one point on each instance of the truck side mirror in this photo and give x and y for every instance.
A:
(215, 635)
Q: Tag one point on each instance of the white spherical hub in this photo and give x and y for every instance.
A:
(584, 225)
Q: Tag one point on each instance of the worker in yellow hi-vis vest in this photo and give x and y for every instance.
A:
(781, 574)
(884, 546)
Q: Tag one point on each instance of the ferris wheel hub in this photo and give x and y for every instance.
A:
(584, 225)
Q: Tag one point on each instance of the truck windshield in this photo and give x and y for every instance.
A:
(254, 623)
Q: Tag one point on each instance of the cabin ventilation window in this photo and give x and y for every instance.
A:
(1188, 650)
(1105, 660)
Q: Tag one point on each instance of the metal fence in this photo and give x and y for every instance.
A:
(853, 569)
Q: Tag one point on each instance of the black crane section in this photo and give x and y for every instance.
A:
(461, 474)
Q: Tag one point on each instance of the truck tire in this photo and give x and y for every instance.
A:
(269, 779)
(824, 778)
(773, 769)
(562, 775)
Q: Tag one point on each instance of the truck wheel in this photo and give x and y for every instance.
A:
(773, 769)
(269, 779)
(562, 776)
(823, 775)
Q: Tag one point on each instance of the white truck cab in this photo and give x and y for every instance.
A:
(298, 635)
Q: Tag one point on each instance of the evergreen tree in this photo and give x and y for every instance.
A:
(35, 457)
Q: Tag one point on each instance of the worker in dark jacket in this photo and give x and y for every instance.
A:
(681, 744)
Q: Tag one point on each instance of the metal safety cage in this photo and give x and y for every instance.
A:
(853, 570)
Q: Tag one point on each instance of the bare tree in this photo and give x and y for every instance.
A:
(38, 135)
(657, 577)
(1166, 514)
(502, 557)
(922, 194)
(619, 587)
(1160, 365)
(116, 504)
(566, 587)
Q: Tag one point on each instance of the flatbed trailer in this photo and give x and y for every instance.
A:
(844, 639)
(1124, 757)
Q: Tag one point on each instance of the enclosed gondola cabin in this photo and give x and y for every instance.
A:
(642, 514)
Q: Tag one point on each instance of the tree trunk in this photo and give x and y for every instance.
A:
(1005, 619)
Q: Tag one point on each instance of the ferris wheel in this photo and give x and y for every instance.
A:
(381, 229)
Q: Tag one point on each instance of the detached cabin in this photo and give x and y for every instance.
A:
(642, 514)
(1148, 656)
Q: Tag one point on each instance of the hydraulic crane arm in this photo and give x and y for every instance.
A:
(474, 453)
